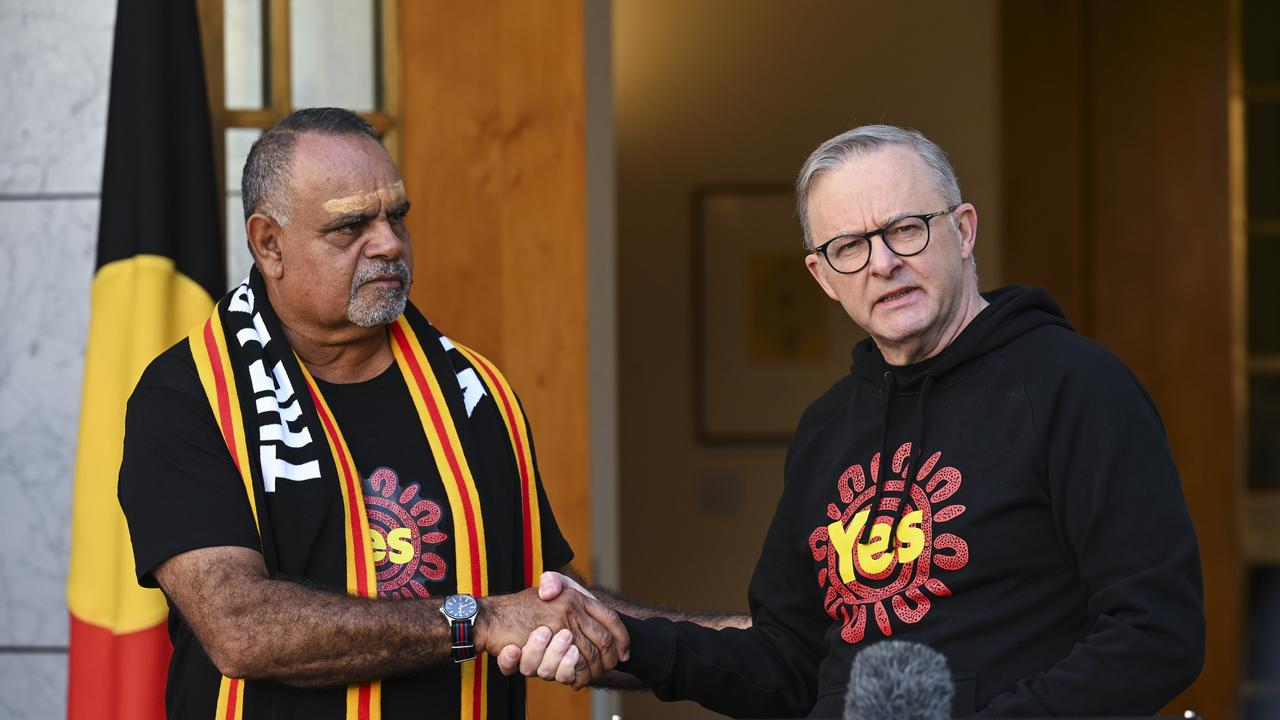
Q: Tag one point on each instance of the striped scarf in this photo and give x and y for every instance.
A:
(280, 429)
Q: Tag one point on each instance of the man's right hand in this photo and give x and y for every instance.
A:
(548, 656)
(597, 634)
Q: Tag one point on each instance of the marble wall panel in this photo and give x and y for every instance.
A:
(33, 686)
(46, 266)
(55, 62)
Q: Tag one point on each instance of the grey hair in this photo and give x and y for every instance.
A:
(264, 185)
(860, 141)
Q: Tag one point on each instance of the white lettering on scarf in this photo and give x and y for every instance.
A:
(273, 396)
(472, 387)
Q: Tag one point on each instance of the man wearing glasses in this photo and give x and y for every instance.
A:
(985, 481)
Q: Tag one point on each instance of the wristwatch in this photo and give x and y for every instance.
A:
(461, 610)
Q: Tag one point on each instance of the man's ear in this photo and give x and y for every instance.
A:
(264, 242)
(967, 225)
(816, 269)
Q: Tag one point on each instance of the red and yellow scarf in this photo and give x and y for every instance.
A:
(243, 332)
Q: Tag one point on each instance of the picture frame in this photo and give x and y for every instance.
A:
(767, 340)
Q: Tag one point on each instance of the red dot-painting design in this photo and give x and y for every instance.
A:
(908, 589)
(387, 512)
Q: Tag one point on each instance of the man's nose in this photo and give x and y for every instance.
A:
(883, 261)
(385, 242)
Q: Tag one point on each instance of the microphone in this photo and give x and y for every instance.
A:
(899, 680)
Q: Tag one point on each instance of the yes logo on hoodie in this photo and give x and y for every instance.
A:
(889, 554)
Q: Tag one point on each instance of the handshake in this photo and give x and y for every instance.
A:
(559, 631)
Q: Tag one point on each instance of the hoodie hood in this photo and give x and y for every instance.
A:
(1012, 311)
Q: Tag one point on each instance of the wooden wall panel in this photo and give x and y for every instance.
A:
(493, 156)
(1162, 248)
(1044, 162)
(1148, 259)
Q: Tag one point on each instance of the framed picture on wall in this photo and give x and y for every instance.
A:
(767, 340)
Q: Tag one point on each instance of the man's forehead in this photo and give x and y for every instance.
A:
(327, 168)
(888, 168)
(366, 202)
(314, 151)
(869, 189)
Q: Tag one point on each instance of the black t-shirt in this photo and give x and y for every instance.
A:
(180, 490)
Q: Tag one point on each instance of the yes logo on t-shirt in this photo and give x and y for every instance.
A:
(403, 533)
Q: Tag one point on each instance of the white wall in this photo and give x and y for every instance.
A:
(54, 67)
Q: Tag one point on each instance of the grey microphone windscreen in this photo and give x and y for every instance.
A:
(899, 680)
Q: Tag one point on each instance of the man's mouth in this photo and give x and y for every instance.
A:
(392, 280)
(895, 295)
(383, 276)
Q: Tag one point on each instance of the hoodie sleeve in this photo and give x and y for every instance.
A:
(769, 670)
(1119, 510)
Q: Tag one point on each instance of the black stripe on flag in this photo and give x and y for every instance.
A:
(159, 189)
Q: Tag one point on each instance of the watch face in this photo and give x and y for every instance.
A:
(460, 607)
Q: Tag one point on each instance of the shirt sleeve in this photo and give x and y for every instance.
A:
(1118, 505)
(178, 486)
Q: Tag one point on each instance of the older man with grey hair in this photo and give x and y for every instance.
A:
(984, 481)
(327, 489)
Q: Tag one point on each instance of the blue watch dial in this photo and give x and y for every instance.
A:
(460, 607)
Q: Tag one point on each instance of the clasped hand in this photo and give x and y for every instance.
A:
(574, 640)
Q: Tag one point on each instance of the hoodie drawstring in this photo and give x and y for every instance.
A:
(884, 501)
(918, 443)
(878, 495)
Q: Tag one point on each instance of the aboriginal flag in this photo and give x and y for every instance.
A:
(159, 266)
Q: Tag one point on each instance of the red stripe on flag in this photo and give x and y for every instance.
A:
(224, 400)
(436, 420)
(524, 470)
(348, 484)
(117, 676)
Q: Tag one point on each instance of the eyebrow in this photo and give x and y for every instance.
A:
(887, 223)
(347, 219)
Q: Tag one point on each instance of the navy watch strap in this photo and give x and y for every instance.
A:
(462, 639)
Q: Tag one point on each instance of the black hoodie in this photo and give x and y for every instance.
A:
(1042, 545)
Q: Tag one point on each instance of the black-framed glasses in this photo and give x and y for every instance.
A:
(906, 236)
